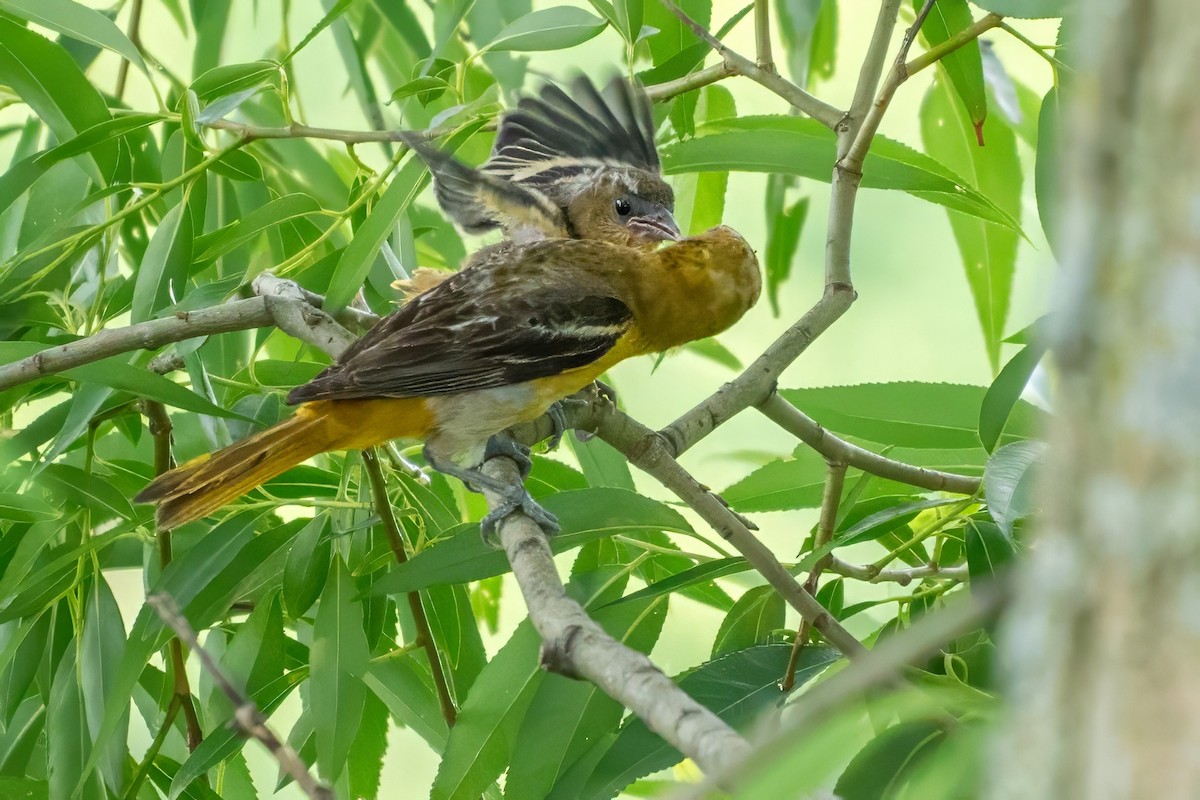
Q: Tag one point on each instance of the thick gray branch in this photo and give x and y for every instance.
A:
(573, 644)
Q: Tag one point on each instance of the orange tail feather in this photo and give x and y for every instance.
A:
(200, 487)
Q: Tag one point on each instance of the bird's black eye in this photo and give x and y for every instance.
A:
(623, 207)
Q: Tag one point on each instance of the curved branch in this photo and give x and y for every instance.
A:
(814, 107)
(809, 431)
(575, 645)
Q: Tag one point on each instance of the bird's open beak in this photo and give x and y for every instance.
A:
(658, 226)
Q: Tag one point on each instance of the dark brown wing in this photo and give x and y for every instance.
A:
(479, 201)
(556, 132)
(482, 328)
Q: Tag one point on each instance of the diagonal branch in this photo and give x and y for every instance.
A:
(814, 107)
(246, 716)
(575, 645)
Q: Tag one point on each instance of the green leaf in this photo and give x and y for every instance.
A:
(738, 688)
(25, 508)
(988, 549)
(713, 350)
(554, 28)
(796, 20)
(782, 244)
(989, 251)
(67, 741)
(602, 464)
(279, 211)
(238, 165)
(881, 766)
(697, 575)
(23, 174)
(224, 741)
(584, 514)
(754, 617)
(673, 36)
(339, 660)
(78, 22)
(115, 374)
(57, 90)
(162, 275)
(910, 414)
(1005, 391)
(891, 517)
(426, 89)
(100, 656)
(1025, 9)
(231, 79)
(406, 688)
(340, 8)
(1046, 170)
(1009, 482)
(566, 717)
(307, 567)
(370, 746)
(804, 147)
(478, 747)
(356, 259)
(24, 788)
(964, 66)
(86, 490)
(779, 485)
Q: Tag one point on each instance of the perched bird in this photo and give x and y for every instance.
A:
(578, 166)
(493, 346)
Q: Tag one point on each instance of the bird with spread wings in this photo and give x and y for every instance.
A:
(581, 284)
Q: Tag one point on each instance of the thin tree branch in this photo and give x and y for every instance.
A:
(818, 109)
(872, 66)
(383, 506)
(576, 646)
(134, 33)
(762, 36)
(160, 428)
(646, 450)
(904, 577)
(807, 430)
(695, 80)
(902, 70)
(278, 299)
(883, 665)
(246, 716)
(831, 497)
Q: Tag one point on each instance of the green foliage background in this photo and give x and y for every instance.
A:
(121, 210)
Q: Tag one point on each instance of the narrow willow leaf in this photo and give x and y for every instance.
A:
(67, 742)
(804, 147)
(910, 414)
(566, 717)
(883, 764)
(989, 251)
(554, 28)
(1005, 391)
(278, 211)
(79, 22)
(307, 567)
(239, 166)
(602, 464)
(673, 36)
(339, 659)
(1025, 9)
(754, 617)
(585, 515)
(1046, 169)
(231, 79)
(100, 654)
(964, 66)
(782, 244)
(58, 91)
(162, 275)
(738, 688)
(988, 549)
(1009, 482)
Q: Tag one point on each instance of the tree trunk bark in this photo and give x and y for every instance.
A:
(1101, 644)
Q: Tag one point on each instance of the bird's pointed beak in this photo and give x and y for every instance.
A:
(657, 226)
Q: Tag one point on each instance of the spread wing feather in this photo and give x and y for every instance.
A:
(480, 329)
